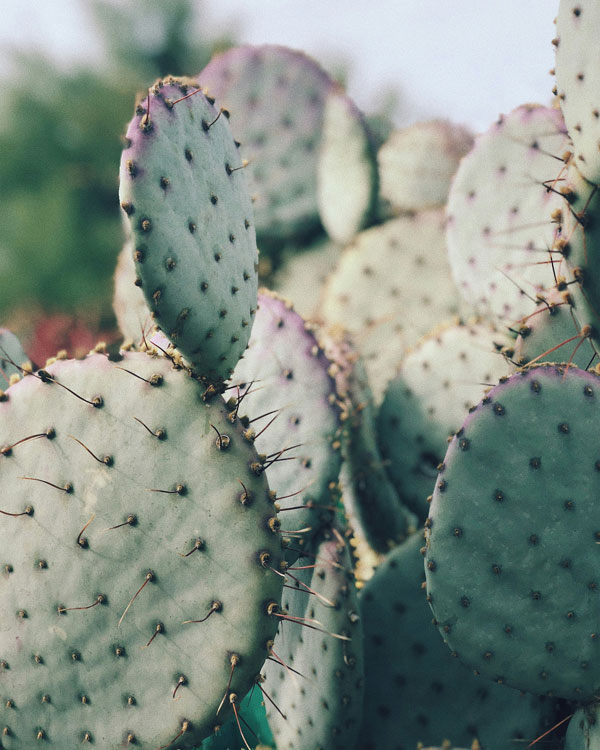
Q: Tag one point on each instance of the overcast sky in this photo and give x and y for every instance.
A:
(467, 60)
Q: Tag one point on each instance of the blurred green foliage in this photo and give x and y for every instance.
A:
(60, 228)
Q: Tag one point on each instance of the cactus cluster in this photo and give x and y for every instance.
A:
(213, 535)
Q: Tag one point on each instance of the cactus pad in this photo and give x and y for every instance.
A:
(183, 190)
(129, 520)
(499, 211)
(512, 550)
(415, 690)
(276, 97)
(578, 80)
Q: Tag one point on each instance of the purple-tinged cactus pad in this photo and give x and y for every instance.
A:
(276, 97)
(184, 193)
(578, 80)
(415, 691)
(290, 398)
(514, 530)
(135, 511)
(324, 706)
(500, 206)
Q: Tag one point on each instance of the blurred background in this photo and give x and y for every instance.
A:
(70, 70)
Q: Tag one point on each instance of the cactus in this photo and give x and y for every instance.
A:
(500, 212)
(416, 164)
(289, 398)
(277, 101)
(416, 415)
(415, 691)
(583, 732)
(391, 286)
(323, 705)
(513, 535)
(184, 194)
(578, 81)
(136, 541)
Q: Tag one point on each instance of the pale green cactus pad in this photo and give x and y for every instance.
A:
(184, 193)
(134, 590)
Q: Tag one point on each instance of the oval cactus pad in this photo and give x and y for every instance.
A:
(132, 590)
(183, 190)
(513, 545)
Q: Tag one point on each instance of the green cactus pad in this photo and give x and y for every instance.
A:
(444, 375)
(500, 206)
(512, 550)
(276, 97)
(416, 164)
(372, 506)
(12, 357)
(323, 706)
(551, 333)
(583, 732)
(346, 170)
(415, 691)
(135, 522)
(184, 193)
(284, 379)
(391, 286)
(578, 80)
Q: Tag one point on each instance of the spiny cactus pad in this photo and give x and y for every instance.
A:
(276, 97)
(372, 505)
(290, 397)
(415, 691)
(130, 520)
(391, 286)
(499, 211)
(578, 80)
(323, 706)
(416, 164)
(512, 550)
(183, 190)
(428, 400)
(551, 333)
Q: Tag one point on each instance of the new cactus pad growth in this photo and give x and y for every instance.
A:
(514, 526)
(136, 602)
(184, 193)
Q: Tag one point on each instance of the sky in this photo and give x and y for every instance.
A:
(464, 60)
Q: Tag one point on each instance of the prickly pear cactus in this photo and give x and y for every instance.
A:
(323, 704)
(129, 304)
(500, 206)
(134, 590)
(514, 526)
(578, 80)
(416, 164)
(415, 691)
(184, 193)
(277, 98)
(427, 401)
(287, 394)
